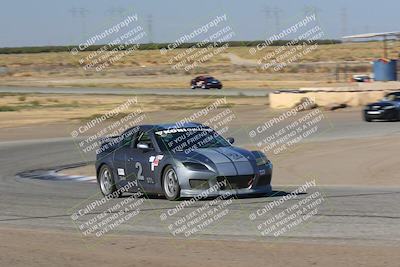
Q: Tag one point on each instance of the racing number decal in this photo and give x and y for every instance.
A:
(138, 166)
(140, 176)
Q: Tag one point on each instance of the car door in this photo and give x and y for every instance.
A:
(121, 173)
(139, 161)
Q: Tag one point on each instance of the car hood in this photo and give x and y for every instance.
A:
(227, 161)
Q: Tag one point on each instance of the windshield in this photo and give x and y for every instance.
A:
(188, 139)
(393, 97)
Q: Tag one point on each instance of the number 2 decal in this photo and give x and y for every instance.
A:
(138, 166)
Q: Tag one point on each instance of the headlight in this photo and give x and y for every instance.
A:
(389, 107)
(194, 166)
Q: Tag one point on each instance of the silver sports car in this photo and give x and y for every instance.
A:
(188, 160)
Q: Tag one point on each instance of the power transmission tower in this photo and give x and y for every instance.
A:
(150, 28)
(267, 12)
(344, 21)
(80, 13)
(115, 11)
(277, 16)
(310, 10)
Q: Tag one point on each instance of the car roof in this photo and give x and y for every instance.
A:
(393, 93)
(158, 127)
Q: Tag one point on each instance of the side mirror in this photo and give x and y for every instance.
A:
(231, 140)
(143, 146)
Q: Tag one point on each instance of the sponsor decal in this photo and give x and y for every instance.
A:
(150, 180)
(155, 160)
(234, 156)
(121, 172)
(183, 130)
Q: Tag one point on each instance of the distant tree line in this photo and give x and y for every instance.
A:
(149, 46)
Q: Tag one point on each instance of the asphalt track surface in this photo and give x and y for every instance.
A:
(115, 91)
(361, 214)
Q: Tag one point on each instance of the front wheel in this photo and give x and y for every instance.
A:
(171, 186)
(107, 183)
(367, 119)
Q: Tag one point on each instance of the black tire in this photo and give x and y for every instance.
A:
(193, 87)
(170, 184)
(107, 183)
(203, 86)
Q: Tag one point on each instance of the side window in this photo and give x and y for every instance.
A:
(391, 97)
(129, 138)
(144, 137)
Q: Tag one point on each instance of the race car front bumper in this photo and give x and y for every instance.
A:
(389, 114)
(210, 184)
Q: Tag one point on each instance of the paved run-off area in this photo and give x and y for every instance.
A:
(357, 221)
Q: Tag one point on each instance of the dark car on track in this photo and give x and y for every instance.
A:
(183, 161)
(205, 82)
(387, 109)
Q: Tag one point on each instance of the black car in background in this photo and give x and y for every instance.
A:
(205, 82)
(387, 109)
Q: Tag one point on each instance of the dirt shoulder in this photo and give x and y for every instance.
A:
(45, 248)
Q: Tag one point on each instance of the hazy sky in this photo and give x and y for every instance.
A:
(58, 22)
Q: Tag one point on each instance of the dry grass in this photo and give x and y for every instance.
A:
(150, 69)
(42, 108)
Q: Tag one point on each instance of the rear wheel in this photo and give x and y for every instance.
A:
(171, 186)
(107, 182)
